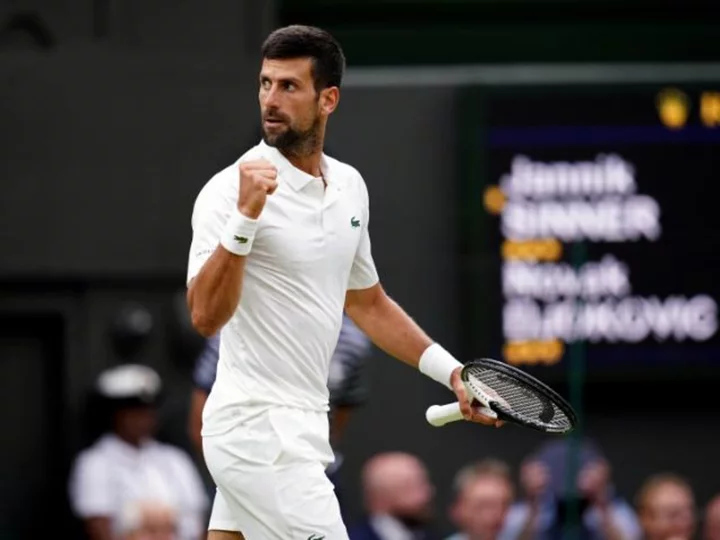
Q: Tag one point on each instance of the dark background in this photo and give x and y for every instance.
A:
(113, 115)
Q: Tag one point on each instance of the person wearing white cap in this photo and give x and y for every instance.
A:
(128, 464)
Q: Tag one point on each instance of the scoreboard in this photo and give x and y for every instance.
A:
(590, 222)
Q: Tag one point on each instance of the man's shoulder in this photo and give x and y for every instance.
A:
(217, 186)
(345, 171)
(254, 152)
(224, 183)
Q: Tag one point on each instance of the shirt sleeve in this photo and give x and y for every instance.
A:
(205, 369)
(90, 487)
(208, 219)
(346, 382)
(363, 273)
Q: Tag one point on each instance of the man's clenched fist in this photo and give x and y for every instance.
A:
(258, 179)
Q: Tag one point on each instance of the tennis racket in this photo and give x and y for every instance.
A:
(511, 395)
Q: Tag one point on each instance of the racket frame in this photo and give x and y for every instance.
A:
(439, 415)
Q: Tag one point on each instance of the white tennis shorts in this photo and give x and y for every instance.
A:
(270, 477)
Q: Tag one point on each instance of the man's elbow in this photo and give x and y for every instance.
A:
(365, 302)
(206, 324)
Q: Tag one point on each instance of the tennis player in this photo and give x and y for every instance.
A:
(280, 246)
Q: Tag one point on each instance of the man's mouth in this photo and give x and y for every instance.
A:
(273, 121)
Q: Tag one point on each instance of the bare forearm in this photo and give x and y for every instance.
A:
(391, 329)
(215, 292)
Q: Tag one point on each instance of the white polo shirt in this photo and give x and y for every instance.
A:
(311, 246)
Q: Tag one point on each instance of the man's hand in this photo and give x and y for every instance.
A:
(258, 179)
(471, 411)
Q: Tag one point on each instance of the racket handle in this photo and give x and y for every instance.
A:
(439, 415)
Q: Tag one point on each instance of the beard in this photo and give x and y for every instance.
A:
(294, 141)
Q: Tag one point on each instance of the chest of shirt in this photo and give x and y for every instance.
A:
(314, 228)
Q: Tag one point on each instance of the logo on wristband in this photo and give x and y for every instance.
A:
(354, 222)
(240, 239)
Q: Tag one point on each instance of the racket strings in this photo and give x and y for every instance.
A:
(523, 400)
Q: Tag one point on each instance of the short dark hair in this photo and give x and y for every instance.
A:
(298, 41)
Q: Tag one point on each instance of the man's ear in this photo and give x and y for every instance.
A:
(329, 99)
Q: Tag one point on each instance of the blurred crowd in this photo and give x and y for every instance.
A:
(129, 486)
(488, 506)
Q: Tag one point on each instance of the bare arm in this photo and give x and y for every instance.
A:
(215, 292)
(391, 329)
(387, 324)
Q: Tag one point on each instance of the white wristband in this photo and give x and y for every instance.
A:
(239, 233)
(438, 364)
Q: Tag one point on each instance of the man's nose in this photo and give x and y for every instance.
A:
(271, 97)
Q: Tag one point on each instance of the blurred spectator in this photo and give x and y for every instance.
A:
(203, 378)
(551, 497)
(483, 495)
(147, 520)
(711, 530)
(398, 499)
(127, 464)
(666, 507)
(345, 384)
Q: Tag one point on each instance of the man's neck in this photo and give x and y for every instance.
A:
(308, 163)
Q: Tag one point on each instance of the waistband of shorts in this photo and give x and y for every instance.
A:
(270, 404)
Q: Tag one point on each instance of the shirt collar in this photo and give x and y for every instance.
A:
(295, 177)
